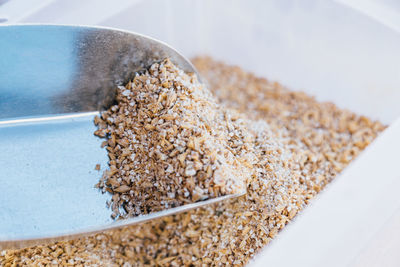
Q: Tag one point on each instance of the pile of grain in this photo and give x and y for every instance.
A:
(170, 143)
(301, 145)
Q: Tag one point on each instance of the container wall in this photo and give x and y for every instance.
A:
(324, 48)
(321, 47)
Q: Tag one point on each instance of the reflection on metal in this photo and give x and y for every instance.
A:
(2, 2)
(50, 69)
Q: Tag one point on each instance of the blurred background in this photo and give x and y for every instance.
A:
(341, 51)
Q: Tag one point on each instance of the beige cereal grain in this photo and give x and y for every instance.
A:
(302, 146)
(170, 143)
(97, 167)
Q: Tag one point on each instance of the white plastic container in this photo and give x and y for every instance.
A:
(324, 48)
(327, 49)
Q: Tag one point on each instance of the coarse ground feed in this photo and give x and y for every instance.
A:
(170, 143)
(300, 146)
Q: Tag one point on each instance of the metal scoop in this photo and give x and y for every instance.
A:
(53, 81)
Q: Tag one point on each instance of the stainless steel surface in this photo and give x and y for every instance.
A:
(53, 80)
(2, 2)
(52, 69)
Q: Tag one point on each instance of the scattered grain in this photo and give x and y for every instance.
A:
(97, 167)
(301, 145)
